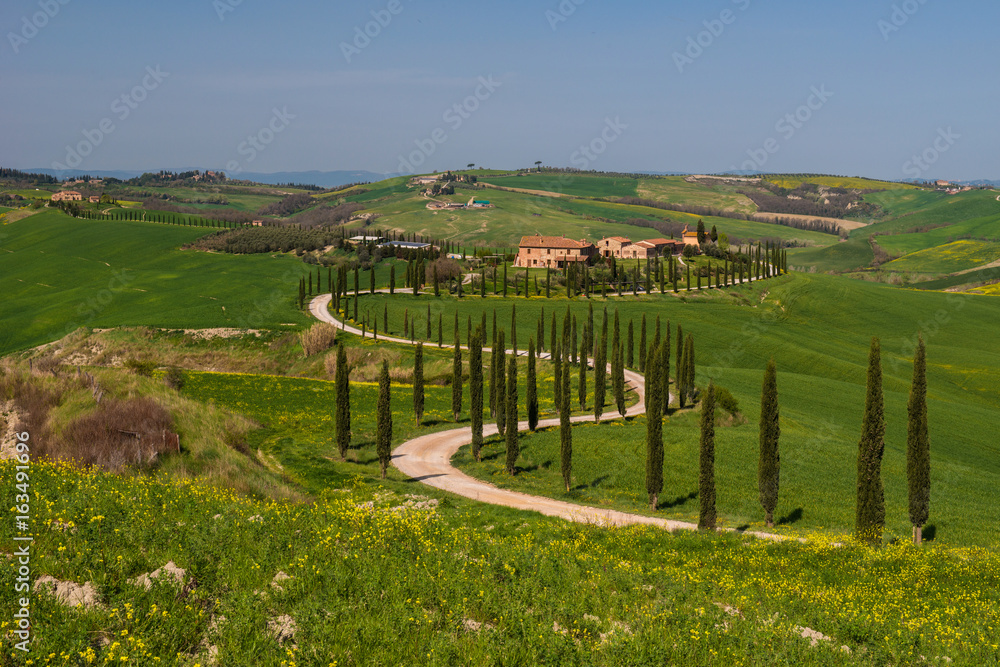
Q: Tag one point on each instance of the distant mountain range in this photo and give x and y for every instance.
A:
(322, 179)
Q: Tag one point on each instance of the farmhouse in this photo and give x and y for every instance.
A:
(620, 247)
(358, 240)
(407, 245)
(611, 246)
(67, 195)
(478, 203)
(690, 238)
(553, 251)
(424, 180)
(94, 199)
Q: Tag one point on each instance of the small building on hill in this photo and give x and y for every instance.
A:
(555, 252)
(690, 238)
(407, 245)
(67, 195)
(358, 240)
(94, 199)
(611, 246)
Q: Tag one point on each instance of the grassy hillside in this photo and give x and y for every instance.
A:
(68, 273)
(791, 182)
(818, 329)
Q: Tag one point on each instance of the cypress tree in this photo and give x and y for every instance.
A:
(706, 476)
(654, 429)
(505, 280)
(618, 381)
(476, 391)
(511, 434)
(630, 346)
(532, 388)
(552, 335)
(768, 468)
(665, 371)
(601, 369)
(437, 285)
(456, 379)
(573, 343)
(548, 283)
(565, 433)
(870, 518)
(418, 383)
(501, 386)
(582, 388)
(428, 322)
(357, 282)
(681, 374)
(383, 420)
(440, 330)
(494, 358)
(557, 361)
(642, 345)
(918, 453)
(454, 328)
(371, 280)
(342, 384)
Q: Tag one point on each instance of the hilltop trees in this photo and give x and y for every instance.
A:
(342, 383)
(870, 514)
(918, 461)
(768, 468)
(383, 420)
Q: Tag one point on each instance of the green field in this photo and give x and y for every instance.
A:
(67, 273)
(818, 329)
(847, 182)
(946, 258)
(577, 185)
(677, 190)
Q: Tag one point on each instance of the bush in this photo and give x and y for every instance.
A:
(139, 367)
(319, 338)
(689, 251)
(118, 434)
(725, 400)
(174, 378)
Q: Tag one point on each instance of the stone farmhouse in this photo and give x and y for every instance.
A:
(555, 252)
(690, 238)
(620, 247)
(67, 195)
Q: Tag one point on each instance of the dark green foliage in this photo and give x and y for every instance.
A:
(440, 330)
(601, 369)
(706, 474)
(870, 516)
(476, 392)
(392, 278)
(654, 428)
(437, 284)
(428, 322)
(342, 385)
(665, 371)
(456, 380)
(383, 420)
(418, 383)
(630, 346)
(769, 466)
(565, 433)
(642, 345)
(501, 358)
(532, 388)
(724, 399)
(511, 434)
(494, 359)
(918, 453)
(582, 384)
(557, 361)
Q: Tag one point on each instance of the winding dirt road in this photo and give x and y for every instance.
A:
(427, 459)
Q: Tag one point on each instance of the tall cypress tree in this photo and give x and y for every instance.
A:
(681, 374)
(706, 473)
(565, 433)
(618, 381)
(428, 321)
(630, 346)
(768, 468)
(418, 383)
(440, 330)
(437, 285)
(540, 331)
(343, 416)
(532, 389)
(476, 391)
(511, 434)
(456, 380)
(392, 278)
(654, 428)
(557, 361)
(501, 385)
(918, 452)
(870, 516)
(601, 369)
(553, 334)
(665, 371)
(642, 345)
(383, 420)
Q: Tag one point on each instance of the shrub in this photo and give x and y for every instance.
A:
(174, 378)
(140, 367)
(319, 338)
(118, 434)
(725, 400)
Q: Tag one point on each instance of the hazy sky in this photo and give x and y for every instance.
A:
(851, 87)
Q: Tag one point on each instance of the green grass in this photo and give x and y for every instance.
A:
(373, 581)
(677, 190)
(818, 329)
(851, 183)
(68, 273)
(578, 185)
(947, 258)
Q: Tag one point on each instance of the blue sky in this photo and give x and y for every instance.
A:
(629, 81)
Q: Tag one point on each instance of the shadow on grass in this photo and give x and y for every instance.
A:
(792, 517)
(678, 501)
(592, 485)
(930, 532)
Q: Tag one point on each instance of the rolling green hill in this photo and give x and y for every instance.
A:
(67, 273)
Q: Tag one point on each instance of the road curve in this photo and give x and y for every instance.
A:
(427, 459)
